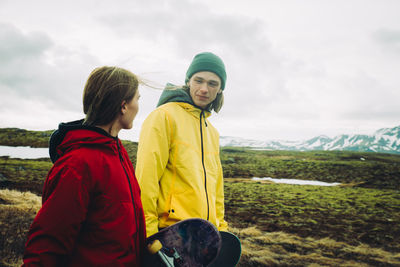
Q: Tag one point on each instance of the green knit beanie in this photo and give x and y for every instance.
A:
(207, 61)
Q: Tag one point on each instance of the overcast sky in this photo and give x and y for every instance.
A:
(296, 69)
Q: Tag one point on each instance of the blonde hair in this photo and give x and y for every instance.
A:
(218, 102)
(105, 90)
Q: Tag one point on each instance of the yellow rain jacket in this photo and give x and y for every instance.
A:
(178, 167)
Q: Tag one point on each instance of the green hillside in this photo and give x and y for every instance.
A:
(21, 137)
(355, 224)
(366, 169)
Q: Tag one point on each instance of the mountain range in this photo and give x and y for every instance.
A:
(385, 140)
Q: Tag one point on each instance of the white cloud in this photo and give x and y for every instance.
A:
(389, 41)
(295, 70)
(37, 69)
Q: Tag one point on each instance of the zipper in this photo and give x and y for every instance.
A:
(202, 162)
(121, 160)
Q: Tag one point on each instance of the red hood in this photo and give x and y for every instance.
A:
(87, 137)
(75, 134)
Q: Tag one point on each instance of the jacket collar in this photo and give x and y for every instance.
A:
(194, 110)
(173, 93)
(75, 133)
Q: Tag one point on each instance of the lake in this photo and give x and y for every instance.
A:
(24, 152)
(294, 181)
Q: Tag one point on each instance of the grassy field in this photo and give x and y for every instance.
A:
(374, 170)
(355, 224)
(351, 216)
(279, 225)
(367, 170)
(21, 137)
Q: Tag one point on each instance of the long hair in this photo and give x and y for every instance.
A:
(105, 90)
(218, 102)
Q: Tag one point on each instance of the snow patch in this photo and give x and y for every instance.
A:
(294, 181)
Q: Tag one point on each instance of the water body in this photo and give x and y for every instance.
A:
(294, 181)
(24, 152)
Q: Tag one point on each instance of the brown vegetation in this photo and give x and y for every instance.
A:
(355, 224)
(259, 248)
(283, 249)
(17, 211)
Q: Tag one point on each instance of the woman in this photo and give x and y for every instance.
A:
(92, 214)
(178, 163)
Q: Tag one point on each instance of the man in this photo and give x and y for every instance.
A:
(178, 164)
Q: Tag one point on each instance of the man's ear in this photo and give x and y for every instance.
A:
(187, 82)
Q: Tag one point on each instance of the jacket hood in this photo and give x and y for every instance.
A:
(172, 93)
(58, 142)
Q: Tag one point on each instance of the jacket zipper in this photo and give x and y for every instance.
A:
(202, 162)
(121, 160)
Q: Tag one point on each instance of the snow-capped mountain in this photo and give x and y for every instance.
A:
(384, 140)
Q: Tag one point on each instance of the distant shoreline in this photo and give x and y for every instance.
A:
(24, 152)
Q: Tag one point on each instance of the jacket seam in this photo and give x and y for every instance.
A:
(121, 160)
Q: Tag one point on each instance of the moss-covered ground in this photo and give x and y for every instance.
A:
(355, 224)
(347, 214)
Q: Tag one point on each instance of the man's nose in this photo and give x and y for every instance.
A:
(204, 88)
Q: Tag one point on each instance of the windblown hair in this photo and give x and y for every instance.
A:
(218, 102)
(105, 90)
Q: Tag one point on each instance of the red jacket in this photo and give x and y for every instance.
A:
(92, 214)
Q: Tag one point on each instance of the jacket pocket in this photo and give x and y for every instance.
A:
(187, 204)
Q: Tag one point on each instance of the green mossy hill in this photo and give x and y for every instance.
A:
(367, 169)
(131, 148)
(21, 137)
(24, 175)
(352, 215)
(29, 175)
(355, 224)
(360, 228)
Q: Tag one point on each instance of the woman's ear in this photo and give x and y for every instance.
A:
(220, 91)
(123, 107)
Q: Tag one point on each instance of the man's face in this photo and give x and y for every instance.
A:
(204, 87)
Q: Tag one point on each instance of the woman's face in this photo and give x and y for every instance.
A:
(204, 87)
(129, 110)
